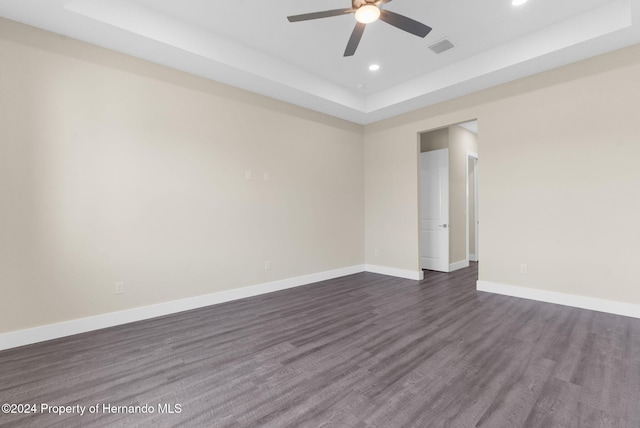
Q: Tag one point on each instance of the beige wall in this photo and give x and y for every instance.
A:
(115, 169)
(557, 185)
(434, 140)
(112, 169)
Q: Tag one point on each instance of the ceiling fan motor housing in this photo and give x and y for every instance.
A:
(359, 3)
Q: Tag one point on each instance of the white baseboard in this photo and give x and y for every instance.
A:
(400, 273)
(83, 325)
(458, 265)
(473, 258)
(592, 303)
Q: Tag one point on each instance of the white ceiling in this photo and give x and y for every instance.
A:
(250, 44)
(471, 126)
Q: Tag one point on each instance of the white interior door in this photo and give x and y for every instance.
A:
(434, 210)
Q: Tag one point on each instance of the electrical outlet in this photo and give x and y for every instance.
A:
(119, 287)
(267, 265)
(523, 268)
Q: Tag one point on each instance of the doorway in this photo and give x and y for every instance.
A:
(461, 225)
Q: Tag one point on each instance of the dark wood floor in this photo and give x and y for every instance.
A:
(365, 350)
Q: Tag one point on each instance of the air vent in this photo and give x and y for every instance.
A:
(441, 46)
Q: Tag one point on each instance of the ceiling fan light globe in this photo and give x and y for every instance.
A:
(367, 14)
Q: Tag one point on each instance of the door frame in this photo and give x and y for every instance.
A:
(472, 158)
(476, 188)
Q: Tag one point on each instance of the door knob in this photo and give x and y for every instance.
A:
(443, 225)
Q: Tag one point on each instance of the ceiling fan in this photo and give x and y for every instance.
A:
(367, 11)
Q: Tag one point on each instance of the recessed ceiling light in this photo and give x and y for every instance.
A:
(518, 2)
(374, 67)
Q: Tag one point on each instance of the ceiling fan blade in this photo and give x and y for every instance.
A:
(404, 23)
(385, 1)
(318, 15)
(354, 40)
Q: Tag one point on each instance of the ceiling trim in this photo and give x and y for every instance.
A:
(162, 39)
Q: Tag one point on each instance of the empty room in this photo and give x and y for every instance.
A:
(389, 213)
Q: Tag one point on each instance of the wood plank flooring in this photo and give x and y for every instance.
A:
(365, 350)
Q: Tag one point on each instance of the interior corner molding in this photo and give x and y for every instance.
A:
(400, 273)
(573, 300)
(82, 325)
